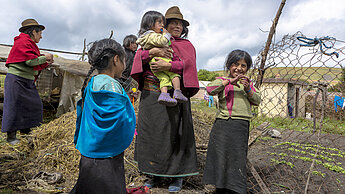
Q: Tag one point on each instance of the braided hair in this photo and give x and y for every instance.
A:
(100, 55)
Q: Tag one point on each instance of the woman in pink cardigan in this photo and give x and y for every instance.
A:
(165, 144)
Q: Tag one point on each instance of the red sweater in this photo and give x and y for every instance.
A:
(24, 49)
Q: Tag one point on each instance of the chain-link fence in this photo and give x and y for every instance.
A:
(302, 90)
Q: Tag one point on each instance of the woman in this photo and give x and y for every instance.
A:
(130, 46)
(165, 144)
(23, 107)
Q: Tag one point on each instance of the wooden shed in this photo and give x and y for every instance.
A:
(283, 97)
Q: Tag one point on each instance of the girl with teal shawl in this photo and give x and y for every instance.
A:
(105, 122)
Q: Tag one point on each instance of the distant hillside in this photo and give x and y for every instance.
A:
(311, 74)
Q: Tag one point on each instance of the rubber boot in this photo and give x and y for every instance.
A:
(154, 181)
(176, 185)
(12, 137)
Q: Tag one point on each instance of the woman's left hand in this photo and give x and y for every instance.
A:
(160, 65)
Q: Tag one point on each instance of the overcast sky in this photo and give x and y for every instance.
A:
(216, 26)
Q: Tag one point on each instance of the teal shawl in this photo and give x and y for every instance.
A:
(105, 124)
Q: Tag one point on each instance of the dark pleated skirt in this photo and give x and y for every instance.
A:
(165, 144)
(22, 105)
(101, 175)
(227, 155)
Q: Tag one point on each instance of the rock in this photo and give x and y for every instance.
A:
(274, 133)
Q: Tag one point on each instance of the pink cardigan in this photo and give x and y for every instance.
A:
(184, 63)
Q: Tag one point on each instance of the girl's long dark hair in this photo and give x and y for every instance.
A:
(100, 55)
(148, 21)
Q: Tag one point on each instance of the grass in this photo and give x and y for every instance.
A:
(301, 124)
(201, 105)
(6, 191)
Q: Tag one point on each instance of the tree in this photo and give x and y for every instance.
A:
(204, 75)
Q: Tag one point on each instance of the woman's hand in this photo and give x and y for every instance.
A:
(49, 58)
(160, 65)
(161, 52)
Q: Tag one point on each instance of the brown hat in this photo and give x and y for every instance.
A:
(175, 13)
(29, 23)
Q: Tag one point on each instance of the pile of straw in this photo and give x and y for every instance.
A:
(49, 148)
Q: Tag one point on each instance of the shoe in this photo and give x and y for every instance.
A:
(154, 181)
(179, 96)
(12, 138)
(165, 99)
(176, 185)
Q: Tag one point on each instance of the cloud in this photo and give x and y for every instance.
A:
(217, 26)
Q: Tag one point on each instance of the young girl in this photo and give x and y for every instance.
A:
(152, 34)
(228, 143)
(105, 122)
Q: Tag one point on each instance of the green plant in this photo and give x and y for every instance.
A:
(319, 173)
(324, 156)
(204, 75)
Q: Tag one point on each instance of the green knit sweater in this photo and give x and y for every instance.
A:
(25, 69)
(237, 104)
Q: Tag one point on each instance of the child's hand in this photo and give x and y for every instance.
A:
(236, 79)
(245, 82)
(164, 31)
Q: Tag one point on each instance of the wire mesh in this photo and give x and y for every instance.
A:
(301, 84)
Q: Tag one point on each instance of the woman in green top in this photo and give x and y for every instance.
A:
(228, 144)
(22, 105)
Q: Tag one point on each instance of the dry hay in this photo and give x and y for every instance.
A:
(50, 148)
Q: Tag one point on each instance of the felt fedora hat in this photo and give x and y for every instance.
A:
(29, 23)
(175, 13)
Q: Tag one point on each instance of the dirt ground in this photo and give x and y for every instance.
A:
(283, 164)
